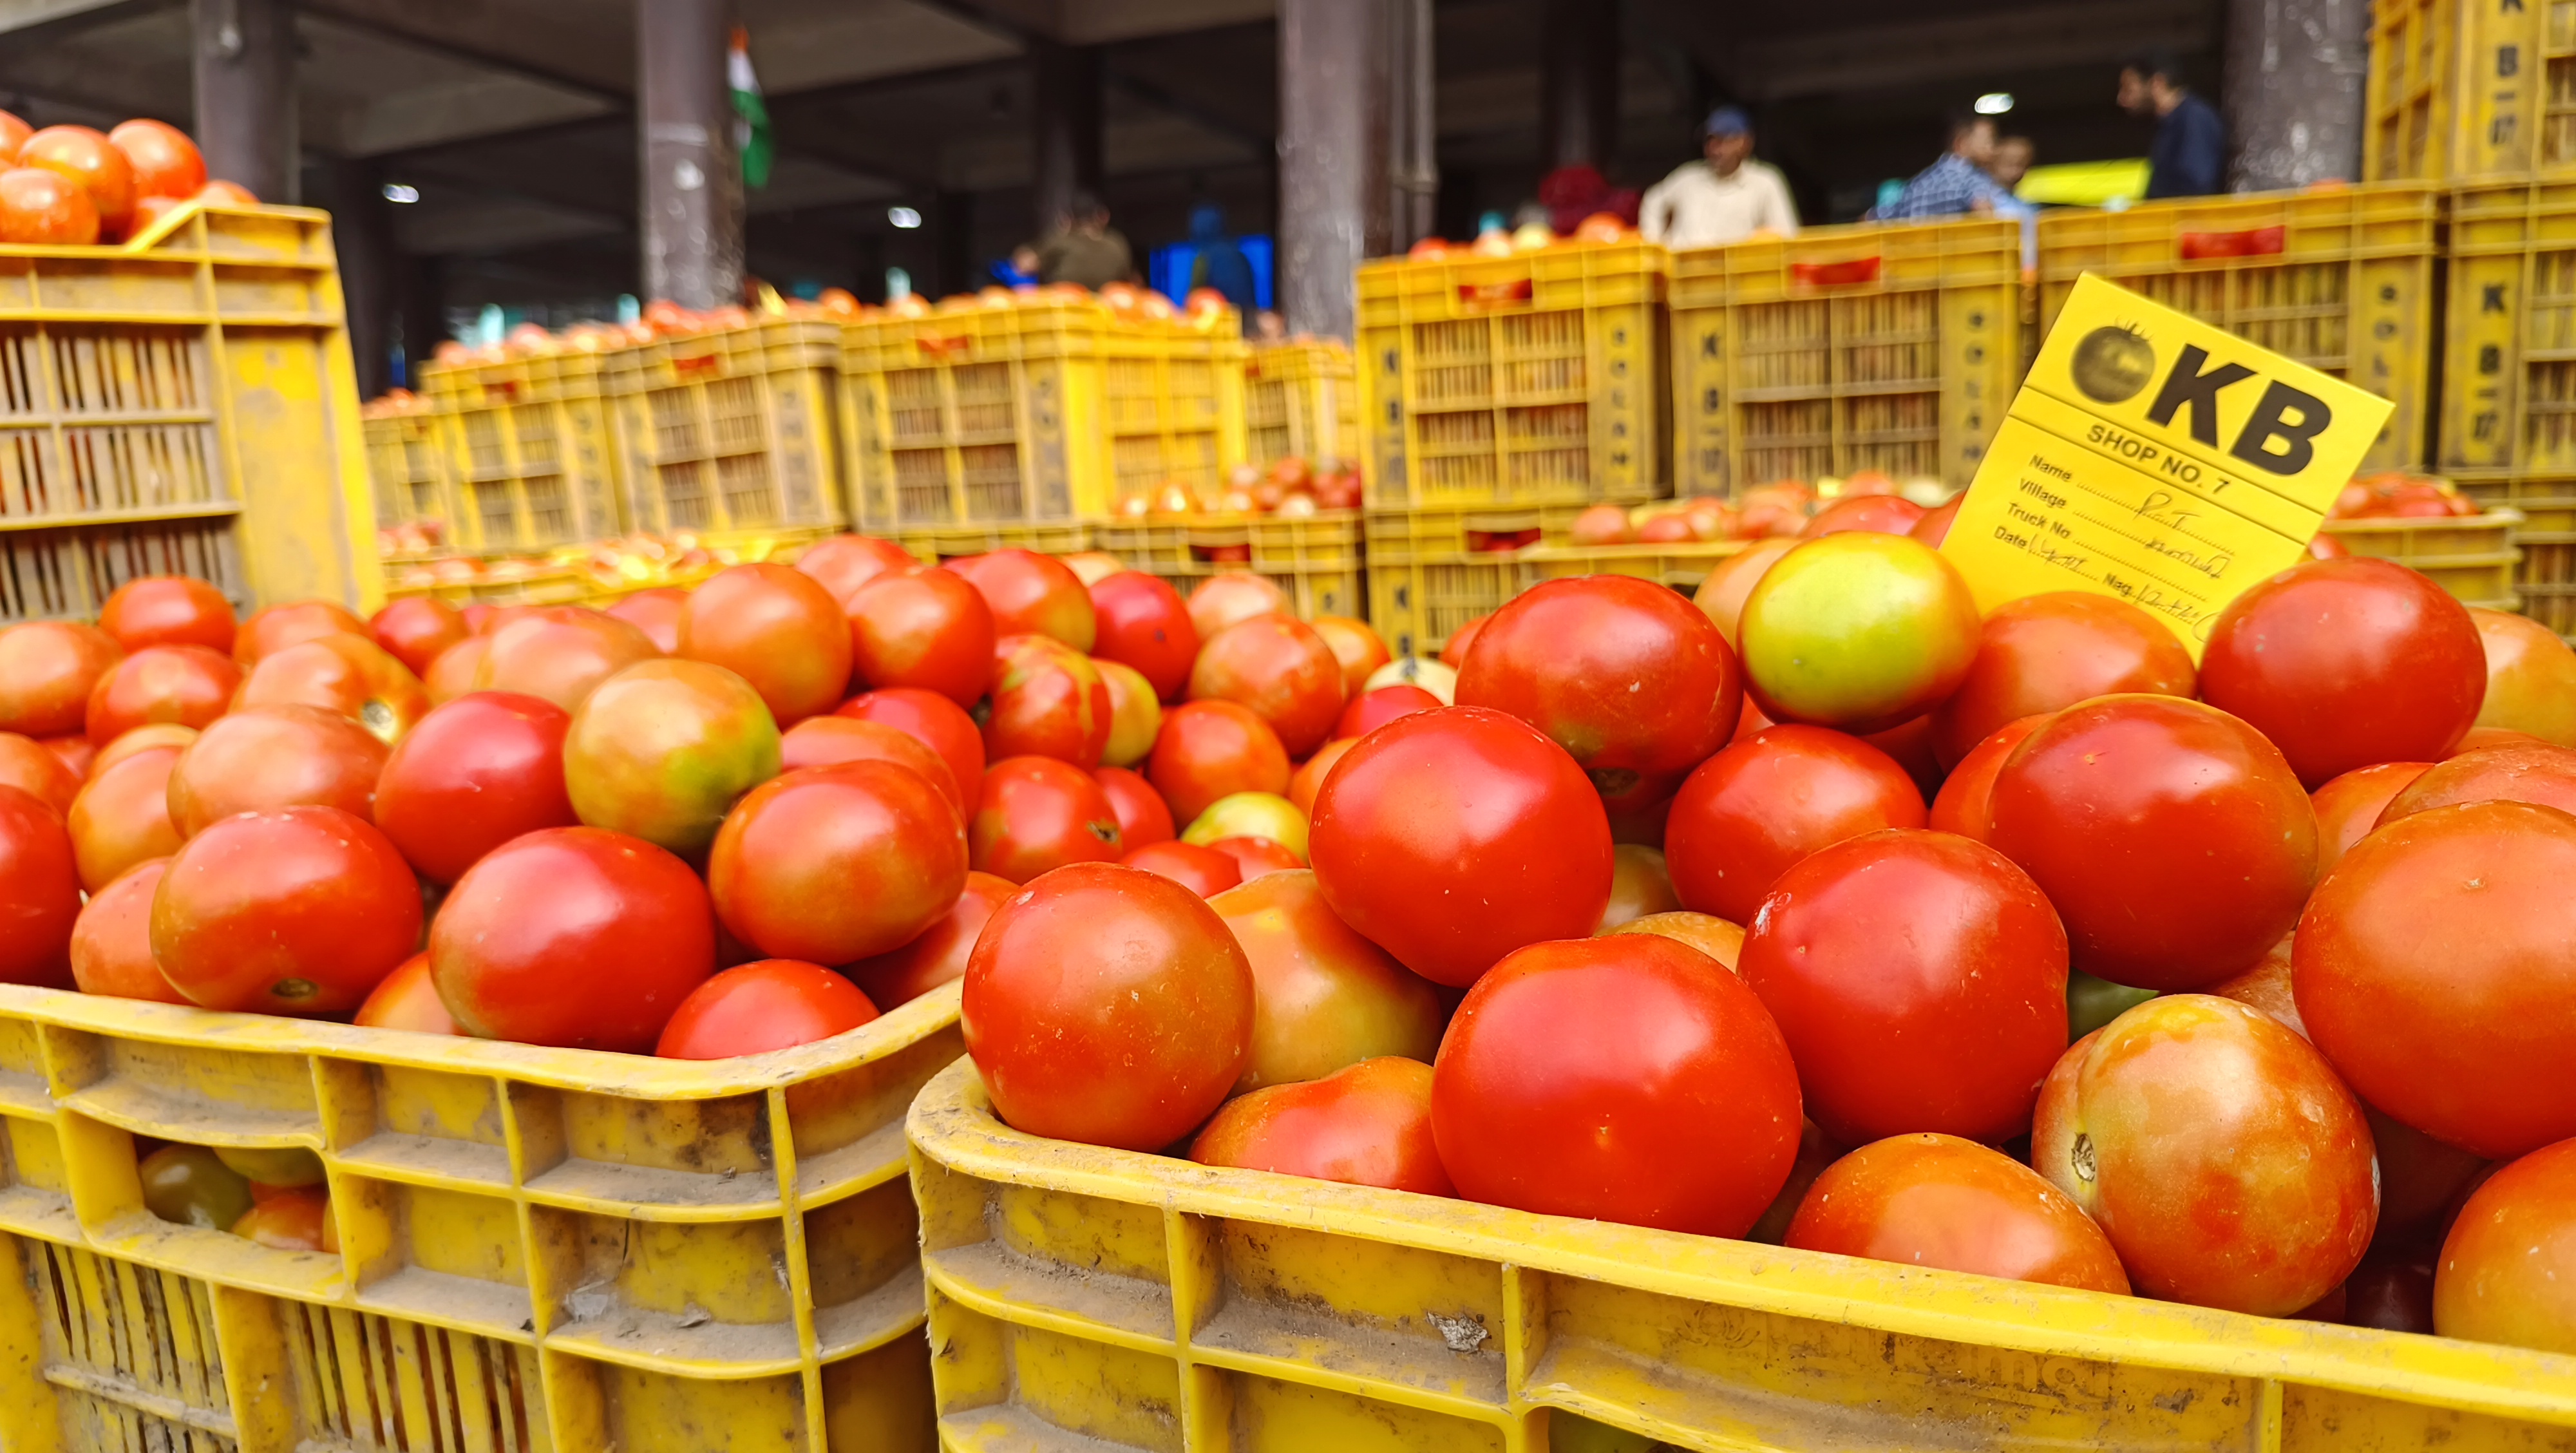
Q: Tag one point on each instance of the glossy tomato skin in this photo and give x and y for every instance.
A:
(47, 671)
(45, 208)
(1038, 814)
(414, 630)
(1860, 631)
(1367, 1124)
(1720, 596)
(2531, 677)
(1453, 651)
(1202, 870)
(1367, 711)
(351, 675)
(2344, 663)
(1641, 885)
(561, 653)
(922, 629)
(1715, 937)
(1256, 857)
(840, 863)
(1030, 593)
(843, 563)
(474, 774)
(2533, 772)
(1885, 514)
(165, 162)
(939, 955)
(111, 947)
(189, 1186)
(168, 610)
(75, 752)
(1358, 646)
(1941, 1201)
(1626, 1078)
(2348, 807)
(1324, 997)
(1620, 672)
(267, 757)
(1143, 623)
(275, 627)
(1131, 1049)
(293, 1219)
(35, 770)
(1963, 804)
(1047, 701)
(407, 998)
(933, 720)
(2217, 1150)
(1753, 810)
(1252, 814)
(663, 749)
(1212, 749)
(1282, 670)
(1230, 596)
(141, 739)
(1920, 981)
(1135, 715)
(757, 1007)
(301, 910)
(122, 817)
(87, 157)
(40, 893)
(2508, 1268)
(452, 674)
(2453, 923)
(2045, 652)
(1308, 778)
(572, 936)
(656, 613)
(2174, 840)
(774, 627)
(1453, 837)
(1143, 816)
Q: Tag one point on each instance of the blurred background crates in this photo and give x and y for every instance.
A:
(187, 407)
(1888, 347)
(1315, 560)
(531, 450)
(1534, 378)
(1679, 564)
(540, 1249)
(934, 543)
(406, 466)
(1435, 568)
(2463, 89)
(2340, 279)
(2473, 557)
(1107, 1300)
(1301, 399)
(732, 429)
(2509, 360)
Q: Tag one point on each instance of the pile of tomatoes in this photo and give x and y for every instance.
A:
(73, 186)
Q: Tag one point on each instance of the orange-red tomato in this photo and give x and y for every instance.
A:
(1359, 648)
(351, 675)
(925, 629)
(13, 134)
(655, 612)
(1143, 816)
(1453, 652)
(938, 956)
(561, 653)
(452, 674)
(82, 155)
(1962, 805)
(275, 627)
(2043, 652)
(758, 1007)
(933, 720)
(300, 910)
(2508, 1268)
(1934, 527)
(416, 628)
(1720, 596)
(168, 610)
(2533, 772)
(1257, 857)
(1324, 997)
(1203, 870)
(1038, 814)
(1641, 885)
(825, 740)
(1941, 1201)
(1048, 701)
(111, 946)
(1885, 514)
(41, 208)
(1626, 1078)
(1308, 779)
(775, 628)
(1815, 1153)
(1030, 593)
(77, 752)
(1212, 749)
(1282, 670)
(839, 863)
(475, 773)
(2531, 677)
(1230, 596)
(1367, 1124)
(2266, 986)
(189, 685)
(34, 769)
(122, 817)
(165, 163)
(40, 892)
(1368, 711)
(268, 757)
(407, 998)
(2348, 807)
(1131, 1049)
(843, 563)
(47, 670)
(662, 750)
(1755, 809)
(2217, 1150)
(1142, 622)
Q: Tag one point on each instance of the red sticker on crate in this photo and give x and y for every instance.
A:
(500, 390)
(703, 363)
(941, 346)
(2252, 242)
(1510, 292)
(1844, 274)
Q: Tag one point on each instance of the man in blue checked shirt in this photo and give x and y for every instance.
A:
(1957, 185)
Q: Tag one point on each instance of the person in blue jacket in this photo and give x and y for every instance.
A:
(1220, 264)
(2189, 155)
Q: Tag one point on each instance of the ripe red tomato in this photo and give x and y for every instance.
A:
(2266, 986)
(1142, 623)
(1934, 527)
(269, 757)
(1626, 1078)
(839, 863)
(83, 156)
(1962, 805)
(77, 752)
(1453, 837)
(168, 610)
(414, 629)
(13, 134)
(823, 741)
(939, 955)
(45, 209)
(1143, 816)
(1621, 672)
(1279, 667)
(1324, 997)
(1212, 749)
(407, 998)
(663, 748)
(656, 613)
(300, 910)
(351, 675)
(843, 563)
(1131, 1049)
(1203, 870)
(40, 893)
(1941, 1201)
(2531, 677)
(111, 945)
(1453, 652)
(1368, 711)
(2174, 840)
(1920, 981)
(34, 769)
(2348, 807)
(2451, 923)
(164, 161)
(775, 628)
(1753, 810)
(452, 674)
(2533, 772)
(1367, 1124)
(1048, 701)
(925, 629)
(1859, 631)
(572, 936)
(1641, 885)
(275, 627)
(1038, 814)
(2217, 1150)
(2043, 652)
(474, 774)
(296, 1218)
(47, 671)
(1308, 779)
(1885, 514)
(2508, 1268)
(1720, 596)
(122, 817)
(1230, 596)
(758, 1007)
(561, 653)
(2345, 663)
(1359, 648)
(933, 720)
(1030, 593)
(1257, 857)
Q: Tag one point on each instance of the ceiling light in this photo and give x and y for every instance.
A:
(1994, 103)
(397, 192)
(903, 217)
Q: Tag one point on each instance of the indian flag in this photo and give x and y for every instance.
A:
(751, 138)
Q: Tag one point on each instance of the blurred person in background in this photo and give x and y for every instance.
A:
(1088, 251)
(2188, 158)
(1725, 196)
(2013, 156)
(1957, 185)
(1218, 263)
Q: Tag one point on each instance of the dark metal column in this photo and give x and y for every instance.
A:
(362, 232)
(1579, 84)
(245, 73)
(1413, 164)
(952, 222)
(2293, 96)
(1333, 192)
(692, 221)
(1064, 129)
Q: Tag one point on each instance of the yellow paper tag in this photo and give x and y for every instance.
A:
(2152, 457)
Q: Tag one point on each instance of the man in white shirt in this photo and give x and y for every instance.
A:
(1724, 198)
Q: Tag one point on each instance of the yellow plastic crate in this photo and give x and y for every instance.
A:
(531, 446)
(184, 406)
(2474, 558)
(1103, 1299)
(1889, 347)
(731, 430)
(542, 1249)
(2461, 89)
(1536, 378)
(934, 543)
(1430, 571)
(1050, 409)
(2545, 583)
(405, 464)
(2339, 279)
(2508, 375)
(1302, 398)
(2547, 503)
(1680, 565)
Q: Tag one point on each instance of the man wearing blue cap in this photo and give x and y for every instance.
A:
(1725, 197)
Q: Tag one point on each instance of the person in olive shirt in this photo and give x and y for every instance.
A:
(1089, 251)
(2188, 158)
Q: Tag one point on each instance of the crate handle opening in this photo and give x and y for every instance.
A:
(1518, 290)
(2252, 242)
(1850, 272)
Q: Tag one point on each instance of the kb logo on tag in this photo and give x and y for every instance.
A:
(2114, 364)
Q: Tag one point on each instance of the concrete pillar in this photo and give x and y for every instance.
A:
(1064, 130)
(245, 75)
(1334, 199)
(1413, 163)
(2293, 96)
(692, 223)
(1578, 84)
(362, 232)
